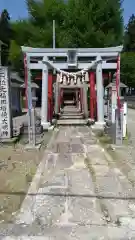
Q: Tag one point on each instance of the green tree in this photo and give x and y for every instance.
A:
(41, 16)
(92, 23)
(5, 35)
(129, 38)
(16, 56)
(79, 23)
(128, 56)
(36, 31)
(128, 68)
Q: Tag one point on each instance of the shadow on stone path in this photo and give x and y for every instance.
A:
(78, 194)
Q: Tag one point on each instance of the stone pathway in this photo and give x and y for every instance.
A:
(77, 194)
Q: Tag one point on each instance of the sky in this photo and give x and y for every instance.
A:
(17, 8)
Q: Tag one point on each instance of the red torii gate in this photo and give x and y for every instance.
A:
(51, 79)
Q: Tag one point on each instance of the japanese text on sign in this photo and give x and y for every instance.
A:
(5, 128)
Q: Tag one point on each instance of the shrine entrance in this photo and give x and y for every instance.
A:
(85, 86)
(68, 94)
(74, 87)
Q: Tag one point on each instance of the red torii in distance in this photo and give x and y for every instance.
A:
(92, 93)
(51, 78)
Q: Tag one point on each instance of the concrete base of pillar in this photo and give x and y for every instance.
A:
(45, 125)
(51, 128)
(91, 121)
(32, 147)
(98, 125)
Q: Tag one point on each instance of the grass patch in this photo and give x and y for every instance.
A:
(106, 142)
(17, 169)
(119, 155)
(103, 138)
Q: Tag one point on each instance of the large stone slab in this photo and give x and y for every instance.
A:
(116, 208)
(102, 170)
(108, 186)
(51, 161)
(127, 188)
(96, 159)
(46, 208)
(64, 160)
(93, 148)
(62, 147)
(78, 160)
(70, 232)
(85, 211)
(80, 182)
(50, 210)
(75, 140)
(77, 148)
(106, 171)
(57, 180)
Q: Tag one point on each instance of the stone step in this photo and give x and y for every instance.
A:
(72, 114)
(72, 122)
(71, 117)
(69, 102)
(68, 109)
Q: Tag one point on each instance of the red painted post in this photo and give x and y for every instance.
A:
(62, 92)
(50, 93)
(54, 80)
(92, 93)
(95, 100)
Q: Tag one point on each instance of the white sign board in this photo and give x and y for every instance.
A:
(114, 104)
(5, 109)
(124, 119)
(119, 126)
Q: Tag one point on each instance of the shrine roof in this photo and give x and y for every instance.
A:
(15, 77)
(122, 85)
(1, 43)
(33, 85)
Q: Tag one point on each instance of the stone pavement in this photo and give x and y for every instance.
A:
(79, 194)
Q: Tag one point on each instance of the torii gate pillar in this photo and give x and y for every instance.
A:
(44, 109)
(100, 94)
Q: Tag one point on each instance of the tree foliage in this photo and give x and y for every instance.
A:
(79, 23)
(128, 57)
(128, 68)
(92, 23)
(129, 38)
(5, 35)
